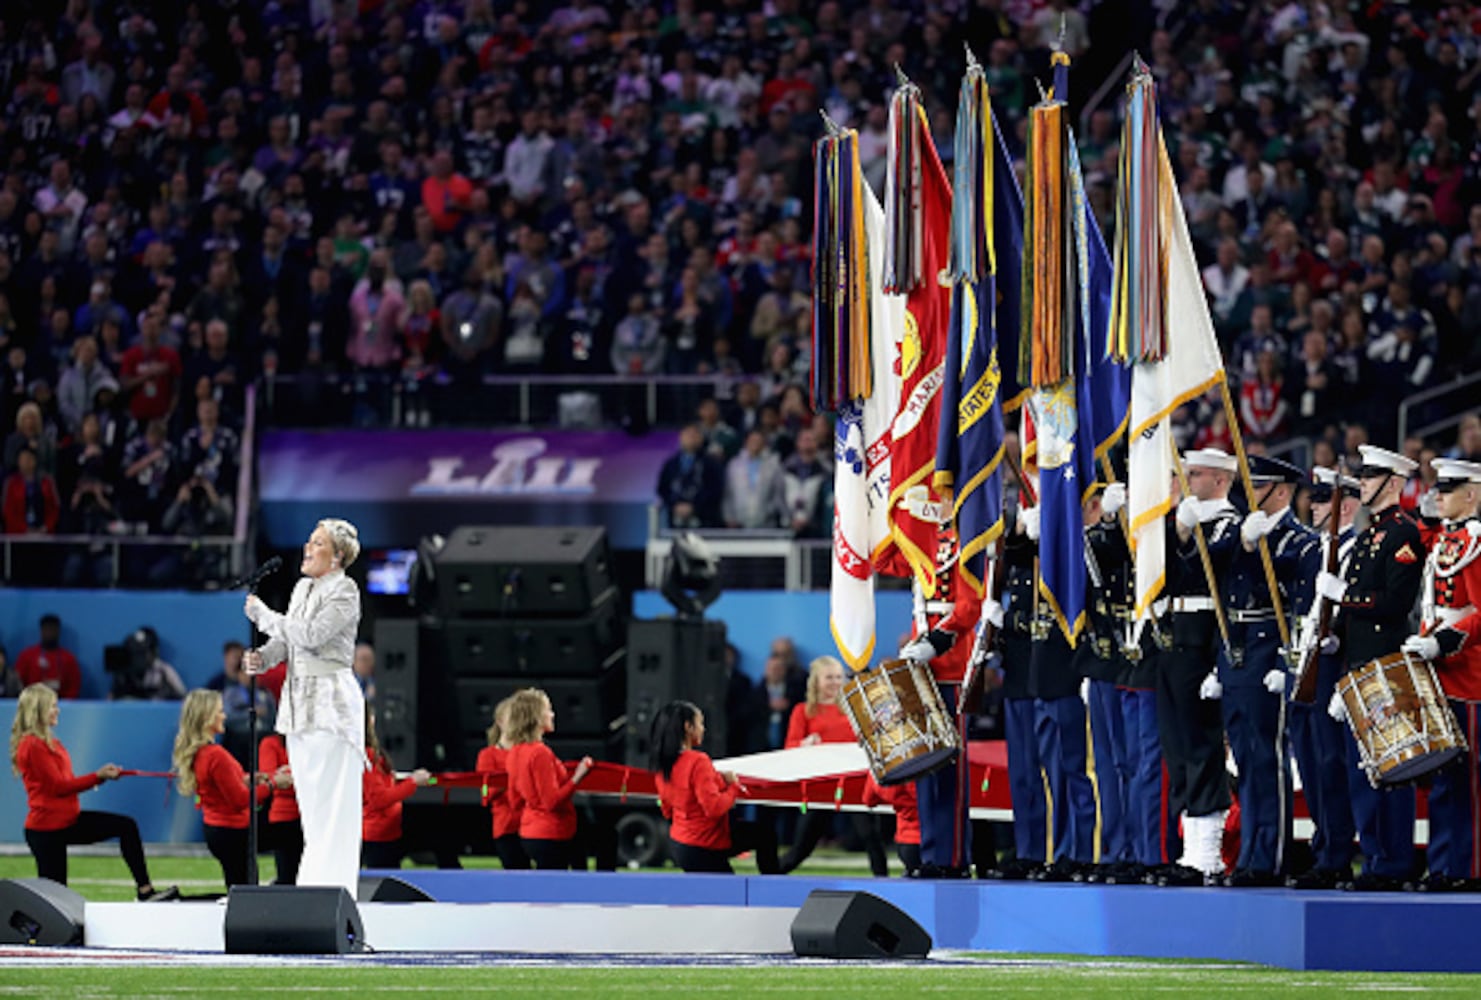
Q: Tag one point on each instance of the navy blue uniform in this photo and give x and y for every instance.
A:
(1025, 777)
(1099, 658)
(1383, 578)
(1252, 714)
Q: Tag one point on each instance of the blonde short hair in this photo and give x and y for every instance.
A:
(815, 681)
(344, 538)
(527, 715)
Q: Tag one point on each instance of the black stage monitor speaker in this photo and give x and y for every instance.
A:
(579, 646)
(391, 890)
(855, 925)
(292, 920)
(518, 572)
(39, 911)
(398, 685)
(671, 658)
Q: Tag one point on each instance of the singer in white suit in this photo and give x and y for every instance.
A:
(322, 712)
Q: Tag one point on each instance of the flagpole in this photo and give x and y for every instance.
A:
(1232, 419)
(1203, 556)
(1125, 522)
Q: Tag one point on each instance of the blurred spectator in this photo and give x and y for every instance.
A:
(364, 666)
(148, 467)
(782, 686)
(145, 675)
(755, 496)
(10, 681)
(807, 488)
(377, 306)
(236, 702)
(78, 388)
(150, 372)
(721, 441)
(691, 485)
(199, 512)
(210, 452)
(32, 506)
(638, 344)
(49, 663)
(31, 434)
(1264, 412)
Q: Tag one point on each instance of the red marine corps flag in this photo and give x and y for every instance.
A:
(917, 234)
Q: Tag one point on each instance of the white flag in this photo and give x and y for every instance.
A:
(1192, 366)
(861, 463)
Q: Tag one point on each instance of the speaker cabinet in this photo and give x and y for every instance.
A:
(855, 925)
(292, 920)
(580, 646)
(416, 717)
(516, 572)
(390, 890)
(674, 658)
(39, 911)
(582, 708)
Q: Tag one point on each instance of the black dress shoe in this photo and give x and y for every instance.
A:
(1368, 882)
(1250, 878)
(1064, 871)
(933, 871)
(1015, 870)
(1180, 875)
(164, 895)
(1438, 883)
(1124, 873)
(1317, 878)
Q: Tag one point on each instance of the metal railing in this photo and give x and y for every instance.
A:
(1420, 399)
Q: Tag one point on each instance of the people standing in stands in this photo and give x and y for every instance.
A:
(55, 818)
(382, 846)
(494, 760)
(49, 663)
(206, 771)
(900, 798)
(820, 720)
(697, 799)
(236, 697)
(284, 831)
(539, 786)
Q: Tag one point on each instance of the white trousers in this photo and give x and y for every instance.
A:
(327, 775)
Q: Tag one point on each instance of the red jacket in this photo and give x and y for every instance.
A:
(495, 760)
(382, 795)
(272, 753)
(902, 799)
(540, 786)
(15, 504)
(697, 801)
(1454, 602)
(830, 724)
(220, 791)
(51, 787)
(955, 608)
(56, 668)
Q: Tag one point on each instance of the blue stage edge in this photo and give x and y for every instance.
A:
(1389, 932)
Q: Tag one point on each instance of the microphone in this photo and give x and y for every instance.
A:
(251, 580)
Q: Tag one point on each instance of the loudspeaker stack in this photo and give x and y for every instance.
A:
(671, 659)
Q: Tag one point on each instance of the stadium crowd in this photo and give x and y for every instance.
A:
(424, 192)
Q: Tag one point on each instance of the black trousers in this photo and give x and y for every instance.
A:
(511, 852)
(381, 854)
(229, 847)
(50, 846)
(744, 836)
(1191, 728)
(552, 855)
(817, 822)
(909, 856)
(286, 841)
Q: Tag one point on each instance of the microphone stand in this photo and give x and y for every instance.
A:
(252, 760)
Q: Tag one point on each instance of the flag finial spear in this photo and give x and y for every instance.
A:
(900, 78)
(972, 62)
(834, 129)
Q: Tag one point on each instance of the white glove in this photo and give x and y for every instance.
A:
(1473, 527)
(1424, 646)
(1113, 499)
(921, 651)
(1275, 681)
(1329, 646)
(1331, 587)
(1029, 517)
(1211, 689)
(1337, 708)
(1188, 512)
(1257, 525)
(1429, 504)
(992, 613)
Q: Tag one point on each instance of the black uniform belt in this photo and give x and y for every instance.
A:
(1242, 616)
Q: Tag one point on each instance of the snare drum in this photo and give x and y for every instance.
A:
(900, 720)
(1401, 719)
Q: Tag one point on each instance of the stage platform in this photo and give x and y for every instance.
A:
(1381, 932)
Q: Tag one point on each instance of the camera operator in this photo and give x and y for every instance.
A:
(198, 511)
(141, 674)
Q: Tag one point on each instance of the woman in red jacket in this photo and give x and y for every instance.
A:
(494, 760)
(206, 770)
(284, 831)
(55, 819)
(820, 720)
(696, 798)
(538, 784)
(382, 794)
(901, 798)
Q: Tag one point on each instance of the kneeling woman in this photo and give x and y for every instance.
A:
(697, 799)
(206, 770)
(538, 786)
(380, 834)
(55, 818)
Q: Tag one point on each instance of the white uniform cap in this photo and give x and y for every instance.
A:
(1453, 470)
(1210, 458)
(1381, 458)
(1331, 477)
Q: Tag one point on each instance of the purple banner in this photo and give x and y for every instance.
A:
(398, 485)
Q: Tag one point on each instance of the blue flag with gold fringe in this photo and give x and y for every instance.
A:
(987, 254)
